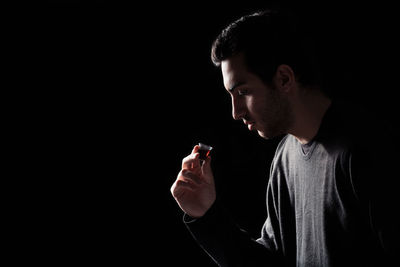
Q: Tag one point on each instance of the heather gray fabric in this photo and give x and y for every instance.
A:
(331, 204)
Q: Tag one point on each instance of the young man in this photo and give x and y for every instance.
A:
(330, 196)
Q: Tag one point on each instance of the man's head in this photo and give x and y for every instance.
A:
(263, 63)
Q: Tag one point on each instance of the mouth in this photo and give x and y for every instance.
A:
(250, 125)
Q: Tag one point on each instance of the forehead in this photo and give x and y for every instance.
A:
(234, 70)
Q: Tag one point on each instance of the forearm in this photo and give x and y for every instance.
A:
(226, 243)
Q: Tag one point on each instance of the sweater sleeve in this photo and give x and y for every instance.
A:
(226, 243)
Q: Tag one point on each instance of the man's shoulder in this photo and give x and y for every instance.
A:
(354, 128)
(346, 124)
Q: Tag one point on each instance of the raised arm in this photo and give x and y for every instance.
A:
(210, 224)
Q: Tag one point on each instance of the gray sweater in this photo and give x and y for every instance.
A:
(330, 203)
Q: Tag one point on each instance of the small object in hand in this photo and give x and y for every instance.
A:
(204, 151)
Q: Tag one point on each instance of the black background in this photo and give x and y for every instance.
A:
(118, 94)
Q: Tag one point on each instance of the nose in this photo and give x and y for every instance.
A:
(238, 110)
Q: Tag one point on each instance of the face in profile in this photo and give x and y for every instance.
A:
(262, 108)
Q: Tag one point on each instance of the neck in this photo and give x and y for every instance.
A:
(309, 110)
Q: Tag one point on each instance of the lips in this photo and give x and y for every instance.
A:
(250, 125)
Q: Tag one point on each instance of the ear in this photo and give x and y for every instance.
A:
(284, 78)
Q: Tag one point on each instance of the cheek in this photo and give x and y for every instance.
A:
(255, 106)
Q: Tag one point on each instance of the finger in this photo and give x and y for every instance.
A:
(195, 149)
(191, 176)
(196, 164)
(185, 184)
(192, 161)
(187, 162)
(180, 186)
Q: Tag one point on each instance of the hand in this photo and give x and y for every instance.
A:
(194, 188)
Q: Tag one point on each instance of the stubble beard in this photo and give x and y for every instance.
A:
(277, 116)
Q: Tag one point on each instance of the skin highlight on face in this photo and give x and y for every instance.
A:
(263, 108)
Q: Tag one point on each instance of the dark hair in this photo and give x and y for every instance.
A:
(268, 39)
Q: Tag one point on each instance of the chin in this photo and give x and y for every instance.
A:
(268, 135)
(263, 135)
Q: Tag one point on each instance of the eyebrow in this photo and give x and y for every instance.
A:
(235, 85)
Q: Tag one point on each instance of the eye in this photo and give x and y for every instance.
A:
(242, 92)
